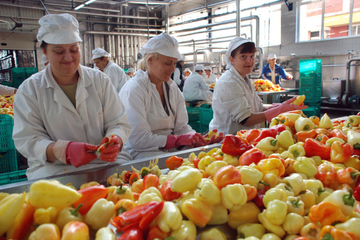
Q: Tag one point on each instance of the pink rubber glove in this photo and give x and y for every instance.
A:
(189, 139)
(284, 107)
(79, 153)
(213, 138)
(112, 149)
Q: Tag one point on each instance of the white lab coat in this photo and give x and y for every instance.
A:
(116, 74)
(211, 79)
(177, 76)
(195, 88)
(150, 123)
(44, 114)
(234, 100)
(5, 90)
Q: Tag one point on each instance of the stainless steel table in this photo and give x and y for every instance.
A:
(268, 96)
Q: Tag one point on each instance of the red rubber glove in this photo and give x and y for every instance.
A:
(111, 151)
(214, 139)
(189, 139)
(79, 153)
(284, 107)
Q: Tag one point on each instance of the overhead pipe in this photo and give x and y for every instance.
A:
(144, 2)
(238, 20)
(205, 39)
(112, 23)
(116, 33)
(137, 29)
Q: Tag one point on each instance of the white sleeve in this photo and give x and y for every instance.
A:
(201, 80)
(5, 90)
(122, 80)
(177, 76)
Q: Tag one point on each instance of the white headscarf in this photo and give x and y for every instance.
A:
(163, 44)
(199, 67)
(234, 44)
(271, 56)
(43, 59)
(130, 70)
(98, 53)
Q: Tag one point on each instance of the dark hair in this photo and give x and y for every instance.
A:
(43, 45)
(248, 47)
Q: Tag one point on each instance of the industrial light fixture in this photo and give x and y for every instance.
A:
(89, 1)
(84, 4)
(80, 6)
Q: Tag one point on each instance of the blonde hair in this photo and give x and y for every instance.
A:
(148, 56)
(141, 65)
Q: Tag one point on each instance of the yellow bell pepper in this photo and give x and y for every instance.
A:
(213, 167)
(270, 236)
(288, 190)
(291, 116)
(272, 194)
(170, 218)
(285, 139)
(271, 165)
(233, 195)
(117, 193)
(289, 166)
(303, 124)
(105, 233)
(268, 144)
(250, 175)
(248, 213)
(186, 181)
(183, 168)
(330, 141)
(317, 160)
(293, 223)
(138, 186)
(43, 215)
(197, 211)
(162, 179)
(287, 154)
(296, 182)
(68, 214)
(295, 205)
(353, 138)
(201, 155)
(325, 122)
(231, 160)
(343, 200)
(322, 194)
(213, 234)
(150, 194)
(280, 150)
(313, 185)
(278, 230)
(297, 150)
(51, 193)
(205, 161)
(184, 196)
(306, 166)
(172, 174)
(354, 120)
(75, 230)
(3, 195)
(10, 207)
(351, 225)
(207, 192)
(251, 230)
(47, 231)
(311, 231)
(114, 180)
(186, 231)
(220, 215)
(353, 162)
(100, 214)
(276, 211)
(308, 197)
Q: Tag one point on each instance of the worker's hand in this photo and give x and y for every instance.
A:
(79, 153)
(215, 138)
(274, 105)
(289, 77)
(284, 107)
(110, 152)
(189, 139)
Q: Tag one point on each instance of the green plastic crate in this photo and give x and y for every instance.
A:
(13, 177)
(195, 125)
(8, 161)
(206, 115)
(6, 129)
(193, 114)
(310, 66)
(18, 75)
(311, 111)
(30, 71)
(7, 83)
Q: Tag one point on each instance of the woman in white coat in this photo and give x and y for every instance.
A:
(63, 113)
(236, 105)
(154, 104)
(195, 88)
(208, 76)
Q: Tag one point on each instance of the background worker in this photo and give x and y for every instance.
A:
(177, 75)
(208, 76)
(195, 88)
(116, 74)
(187, 73)
(273, 71)
(130, 73)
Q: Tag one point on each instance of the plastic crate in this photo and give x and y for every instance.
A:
(13, 177)
(193, 114)
(6, 129)
(30, 71)
(311, 111)
(18, 75)
(206, 115)
(7, 83)
(314, 104)
(310, 66)
(310, 80)
(8, 161)
(195, 125)
(311, 95)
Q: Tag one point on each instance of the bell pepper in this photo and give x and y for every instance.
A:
(245, 214)
(89, 196)
(278, 230)
(10, 207)
(22, 223)
(105, 233)
(250, 175)
(271, 180)
(172, 174)
(68, 214)
(186, 231)
(288, 190)
(75, 230)
(268, 144)
(276, 211)
(150, 194)
(117, 193)
(169, 218)
(353, 162)
(330, 141)
(94, 183)
(338, 133)
(351, 226)
(251, 135)
(348, 175)
(296, 182)
(100, 213)
(138, 186)
(51, 193)
(214, 167)
(325, 122)
(326, 213)
(295, 205)
(186, 180)
(297, 150)
(303, 135)
(303, 124)
(113, 180)
(306, 166)
(323, 193)
(251, 230)
(322, 138)
(174, 162)
(233, 195)
(289, 166)
(234, 146)
(291, 115)
(340, 152)
(308, 197)
(213, 233)
(167, 193)
(293, 223)
(332, 233)
(43, 215)
(353, 138)
(271, 165)
(47, 231)
(156, 233)
(141, 216)
(310, 231)
(150, 180)
(285, 139)
(313, 185)
(125, 176)
(207, 192)
(343, 200)
(315, 148)
(123, 205)
(220, 215)
(315, 120)
(133, 233)
(231, 160)
(253, 155)
(133, 178)
(326, 174)
(287, 154)
(272, 194)
(226, 175)
(354, 120)
(270, 132)
(197, 211)
(282, 120)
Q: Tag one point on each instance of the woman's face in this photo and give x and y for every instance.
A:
(101, 63)
(243, 62)
(64, 59)
(161, 68)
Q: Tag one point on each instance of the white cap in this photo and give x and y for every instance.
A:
(182, 58)
(130, 70)
(199, 67)
(271, 56)
(59, 29)
(43, 59)
(187, 70)
(163, 44)
(234, 44)
(207, 68)
(99, 52)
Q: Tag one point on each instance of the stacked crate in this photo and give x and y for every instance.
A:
(310, 82)
(194, 117)
(206, 115)
(200, 117)
(18, 75)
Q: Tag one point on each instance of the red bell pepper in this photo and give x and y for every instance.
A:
(150, 180)
(253, 155)
(251, 135)
(22, 223)
(339, 134)
(226, 175)
(316, 148)
(156, 233)
(322, 138)
(234, 146)
(357, 193)
(133, 178)
(174, 162)
(303, 135)
(271, 132)
(166, 192)
(347, 175)
(340, 152)
(196, 161)
(89, 196)
(75, 230)
(127, 176)
(326, 174)
(322, 131)
(258, 200)
(133, 233)
(141, 216)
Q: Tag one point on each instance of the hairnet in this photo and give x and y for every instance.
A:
(182, 58)
(43, 59)
(207, 68)
(59, 29)
(163, 44)
(199, 67)
(271, 56)
(99, 52)
(130, 70)
(234, 44)
(187, 70)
